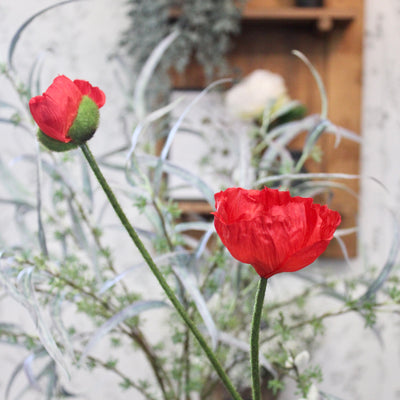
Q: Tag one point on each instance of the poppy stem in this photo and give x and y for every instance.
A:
(254, 339)
(158, 274)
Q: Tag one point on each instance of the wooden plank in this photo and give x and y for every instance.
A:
(296, 13)
(343, 79)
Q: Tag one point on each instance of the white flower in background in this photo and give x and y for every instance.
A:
(312, 394)
(255, 92)
(301, 360)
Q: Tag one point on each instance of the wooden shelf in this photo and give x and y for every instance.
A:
(324, 17)
(188, 206)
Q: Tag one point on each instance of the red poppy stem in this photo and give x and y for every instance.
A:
(254, 339)
(157, 273)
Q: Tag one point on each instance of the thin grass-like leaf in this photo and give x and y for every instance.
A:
(327, 396)
(6, 275)
(192, 226)
(243, 346)
(139, 96)
(16, 189)
(26, 284)
(52, 384)
(7, 121)
(77, 228)
(34, 74)
(203, 243)
(279, 137)
(5, 326)
(150, 118)
(48, 370)
(86, 181)
(17, 370)
(343, 248)
(192, 179)
(341, 132)
(4, 104)
(55, 312)
(161, 260)
(33, 383)
(310, 142)
(21, 367)
(189, 283)
(175, 128)
(65, 393)
(309, 189)
(41, 231)
(23, 206)
(15, 38)
(345, 231)
(300, 176)
(318, 80)
(387, 268)
(130, 311)
(188, 108)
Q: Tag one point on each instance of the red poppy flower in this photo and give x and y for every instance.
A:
(57, 109)
(271, 230)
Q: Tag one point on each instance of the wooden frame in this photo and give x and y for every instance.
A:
(331, 37)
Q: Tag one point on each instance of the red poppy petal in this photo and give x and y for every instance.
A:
(56, 110)
(238, 204)
(304, 256)
(325, 224)
(237, 240)
(96, 94)
(251, 246)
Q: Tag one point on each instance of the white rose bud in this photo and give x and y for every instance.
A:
(255, 92)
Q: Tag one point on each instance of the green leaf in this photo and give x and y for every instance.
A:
(167, 258)
(25, 280)
(293, 177)
(15, 38)
(388, 266)
(189, 283)
(175, 128)
(232, 342)
(318, 80)
(34, 75)
(147, 72)
(130, 311)
(16, 189)
(190, 178)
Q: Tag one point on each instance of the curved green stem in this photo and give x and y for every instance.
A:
(157, 273)
(254, 339)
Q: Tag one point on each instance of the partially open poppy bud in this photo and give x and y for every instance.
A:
(67, 113)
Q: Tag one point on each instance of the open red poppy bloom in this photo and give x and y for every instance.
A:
(56, 110)
(271, 230)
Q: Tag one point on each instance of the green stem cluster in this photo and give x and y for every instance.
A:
(254, 339)
(157, 273)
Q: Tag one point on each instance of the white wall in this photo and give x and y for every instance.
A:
(381, 127)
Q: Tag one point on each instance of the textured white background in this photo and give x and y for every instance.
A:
(81, 37)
